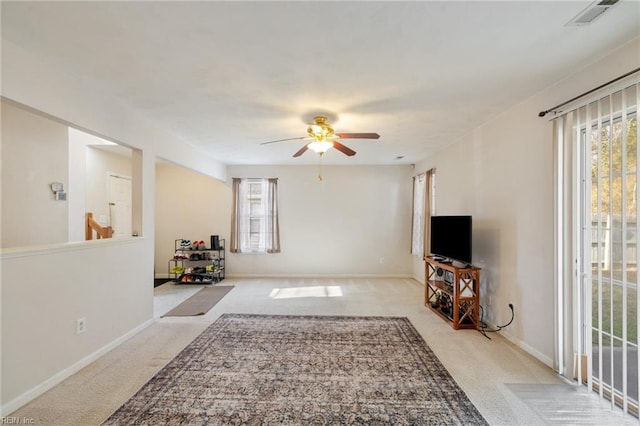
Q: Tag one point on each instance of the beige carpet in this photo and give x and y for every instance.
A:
(200, 303)
(481, 367)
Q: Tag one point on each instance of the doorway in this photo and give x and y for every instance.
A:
(119, 193)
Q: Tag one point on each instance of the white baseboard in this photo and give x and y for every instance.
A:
(240, 276)
(524, 346)
(530, 350)
(57, 378)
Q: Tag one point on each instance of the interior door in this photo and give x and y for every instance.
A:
(120, 205)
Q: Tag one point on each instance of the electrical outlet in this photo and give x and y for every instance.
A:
(511, 306)
(382, 260)
(81, 325)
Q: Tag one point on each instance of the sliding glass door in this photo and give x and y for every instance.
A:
(608, 290)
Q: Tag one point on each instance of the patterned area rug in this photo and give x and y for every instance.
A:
(302, 370)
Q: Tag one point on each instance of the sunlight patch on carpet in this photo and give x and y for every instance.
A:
(314, 291)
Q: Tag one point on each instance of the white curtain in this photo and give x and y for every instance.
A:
(270, 234)
(244, 217)
(419, 212)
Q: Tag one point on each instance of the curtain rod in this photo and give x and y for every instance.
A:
(543, 113)
(252, 179)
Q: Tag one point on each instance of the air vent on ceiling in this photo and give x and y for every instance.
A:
(592, 12)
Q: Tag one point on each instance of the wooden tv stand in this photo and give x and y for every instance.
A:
(453, 292)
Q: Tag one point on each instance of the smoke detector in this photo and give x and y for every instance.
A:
(592, 12)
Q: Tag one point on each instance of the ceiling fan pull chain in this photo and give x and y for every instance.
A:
(320, 168)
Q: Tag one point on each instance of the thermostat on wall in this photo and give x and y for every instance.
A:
(58, 190)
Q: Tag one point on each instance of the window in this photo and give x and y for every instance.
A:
(254, 226)
(423, 209)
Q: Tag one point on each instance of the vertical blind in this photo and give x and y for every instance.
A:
(597, 192)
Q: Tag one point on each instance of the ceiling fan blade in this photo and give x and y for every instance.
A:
(358, 135)
(301, 151)
(343, 149)
(282, 140)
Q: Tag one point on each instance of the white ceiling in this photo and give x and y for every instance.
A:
(226, 76)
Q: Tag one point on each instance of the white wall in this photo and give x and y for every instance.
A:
(28, 80)
(77, 184)
(34, 155)
(502, 175)
(342, 225)
(110, 282)
(189, 205)
(42, 297)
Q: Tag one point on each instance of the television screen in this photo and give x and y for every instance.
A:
(451, 237)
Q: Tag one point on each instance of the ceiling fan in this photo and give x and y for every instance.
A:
(323, 137)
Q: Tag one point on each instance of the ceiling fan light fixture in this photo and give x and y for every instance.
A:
(323, 138)
(320, 128)
(314, 129)
(320, 146)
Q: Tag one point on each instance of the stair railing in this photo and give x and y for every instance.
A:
(101, 231)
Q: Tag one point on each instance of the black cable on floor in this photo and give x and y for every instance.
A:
(484, 328)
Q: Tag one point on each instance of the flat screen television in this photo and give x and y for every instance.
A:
(451, 237)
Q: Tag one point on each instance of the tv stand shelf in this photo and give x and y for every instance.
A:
(453, 292)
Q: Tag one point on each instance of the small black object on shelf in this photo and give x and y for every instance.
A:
(215, 242)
